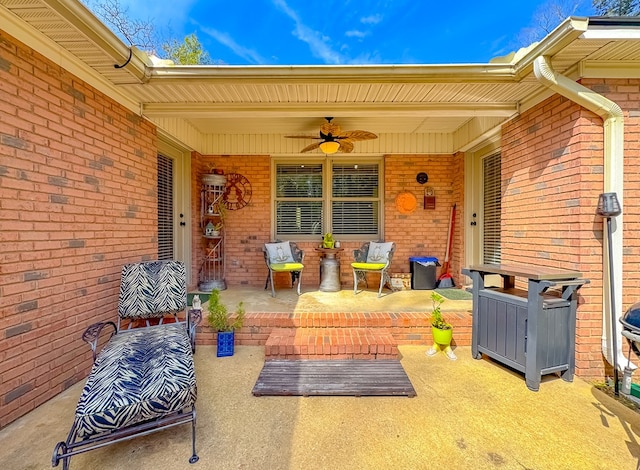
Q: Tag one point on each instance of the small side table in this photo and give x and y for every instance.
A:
(329, 269)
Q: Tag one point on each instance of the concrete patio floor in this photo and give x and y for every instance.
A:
(468, 414)
(313, 300)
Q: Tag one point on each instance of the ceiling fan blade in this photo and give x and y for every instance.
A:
(308, 148)
(330, 128)
(357, 135)
(302, 137)
(346, 146)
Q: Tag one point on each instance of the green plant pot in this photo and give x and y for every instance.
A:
(225, 342)
(442, 337)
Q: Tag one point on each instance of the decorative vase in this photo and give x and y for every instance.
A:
(225, 342)
(442, 337)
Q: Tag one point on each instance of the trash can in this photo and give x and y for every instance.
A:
(423, 272)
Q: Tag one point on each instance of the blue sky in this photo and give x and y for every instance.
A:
(309, 32)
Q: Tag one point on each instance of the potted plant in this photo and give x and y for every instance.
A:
(327, 241)
(441, 330)
(223, 323)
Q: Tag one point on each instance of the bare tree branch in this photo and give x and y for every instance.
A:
(617, 7)
(546, 18)
(136, 32)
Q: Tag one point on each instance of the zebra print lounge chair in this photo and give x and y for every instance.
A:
(143, 379)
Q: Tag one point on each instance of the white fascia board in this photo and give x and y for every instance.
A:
(608, 69)
(37, 41)
(81, 18)
(606, 33)
(564, 34)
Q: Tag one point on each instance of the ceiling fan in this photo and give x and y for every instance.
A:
(333, 139)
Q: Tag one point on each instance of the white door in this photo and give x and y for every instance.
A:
(174, 215)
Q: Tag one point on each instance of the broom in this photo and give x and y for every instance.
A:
(446, 280)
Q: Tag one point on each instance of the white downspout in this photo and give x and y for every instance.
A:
(611, 113)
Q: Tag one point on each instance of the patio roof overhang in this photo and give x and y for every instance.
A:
(248, 109)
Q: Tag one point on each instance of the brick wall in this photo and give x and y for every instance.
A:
(247, 229)
(77, 200)
(424, 231)
(552, 174)
(421, 233)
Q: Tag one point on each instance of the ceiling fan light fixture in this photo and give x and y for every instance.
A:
(330, 146)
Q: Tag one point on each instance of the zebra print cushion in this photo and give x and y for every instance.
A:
(152, 289)
(140, 374)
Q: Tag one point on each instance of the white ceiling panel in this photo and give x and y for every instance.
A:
(395, 99)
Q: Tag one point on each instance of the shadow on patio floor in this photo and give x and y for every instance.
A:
(467, 414)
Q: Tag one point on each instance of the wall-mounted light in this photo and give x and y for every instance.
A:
(329, 146)
(609, 207)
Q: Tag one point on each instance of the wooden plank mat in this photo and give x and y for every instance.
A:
(333, 377)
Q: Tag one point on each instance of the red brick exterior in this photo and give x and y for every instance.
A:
(246, 230)
(552, 174)
(420, 233)
(424, 232)
(77, 200)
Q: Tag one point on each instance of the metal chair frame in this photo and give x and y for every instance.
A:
(298, 257)
(360, 275)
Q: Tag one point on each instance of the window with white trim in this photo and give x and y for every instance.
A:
(337, 195)
(165, 208)
(492, 207)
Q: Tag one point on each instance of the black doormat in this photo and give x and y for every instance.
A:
(333, 378)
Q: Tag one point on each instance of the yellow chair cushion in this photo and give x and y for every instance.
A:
(368, 266)
(287, 267)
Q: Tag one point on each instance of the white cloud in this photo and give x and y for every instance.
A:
(354, 33)
(317, 42)
(371, 19)
(223, 38)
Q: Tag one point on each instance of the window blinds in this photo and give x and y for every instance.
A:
(165, 208)
(492, 209)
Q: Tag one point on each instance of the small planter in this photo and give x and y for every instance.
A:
(226, 340)
(442, 337)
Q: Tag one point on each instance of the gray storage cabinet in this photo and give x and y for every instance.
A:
(533, 330)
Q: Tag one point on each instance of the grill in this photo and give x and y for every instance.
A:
(631, 326)
(631, 330)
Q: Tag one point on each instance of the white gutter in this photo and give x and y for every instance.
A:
(410, 73)
(76, 14)
(613, 119)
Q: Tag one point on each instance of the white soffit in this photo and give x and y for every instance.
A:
(395, 100)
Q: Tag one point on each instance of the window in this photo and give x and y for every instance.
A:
(165, 208)
(333, 195)
(492, 206)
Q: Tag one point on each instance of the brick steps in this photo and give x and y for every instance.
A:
(405, 327)
(331, 343)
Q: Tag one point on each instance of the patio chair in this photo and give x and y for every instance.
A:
(143, 378)
(281, 257)
(372, 257)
